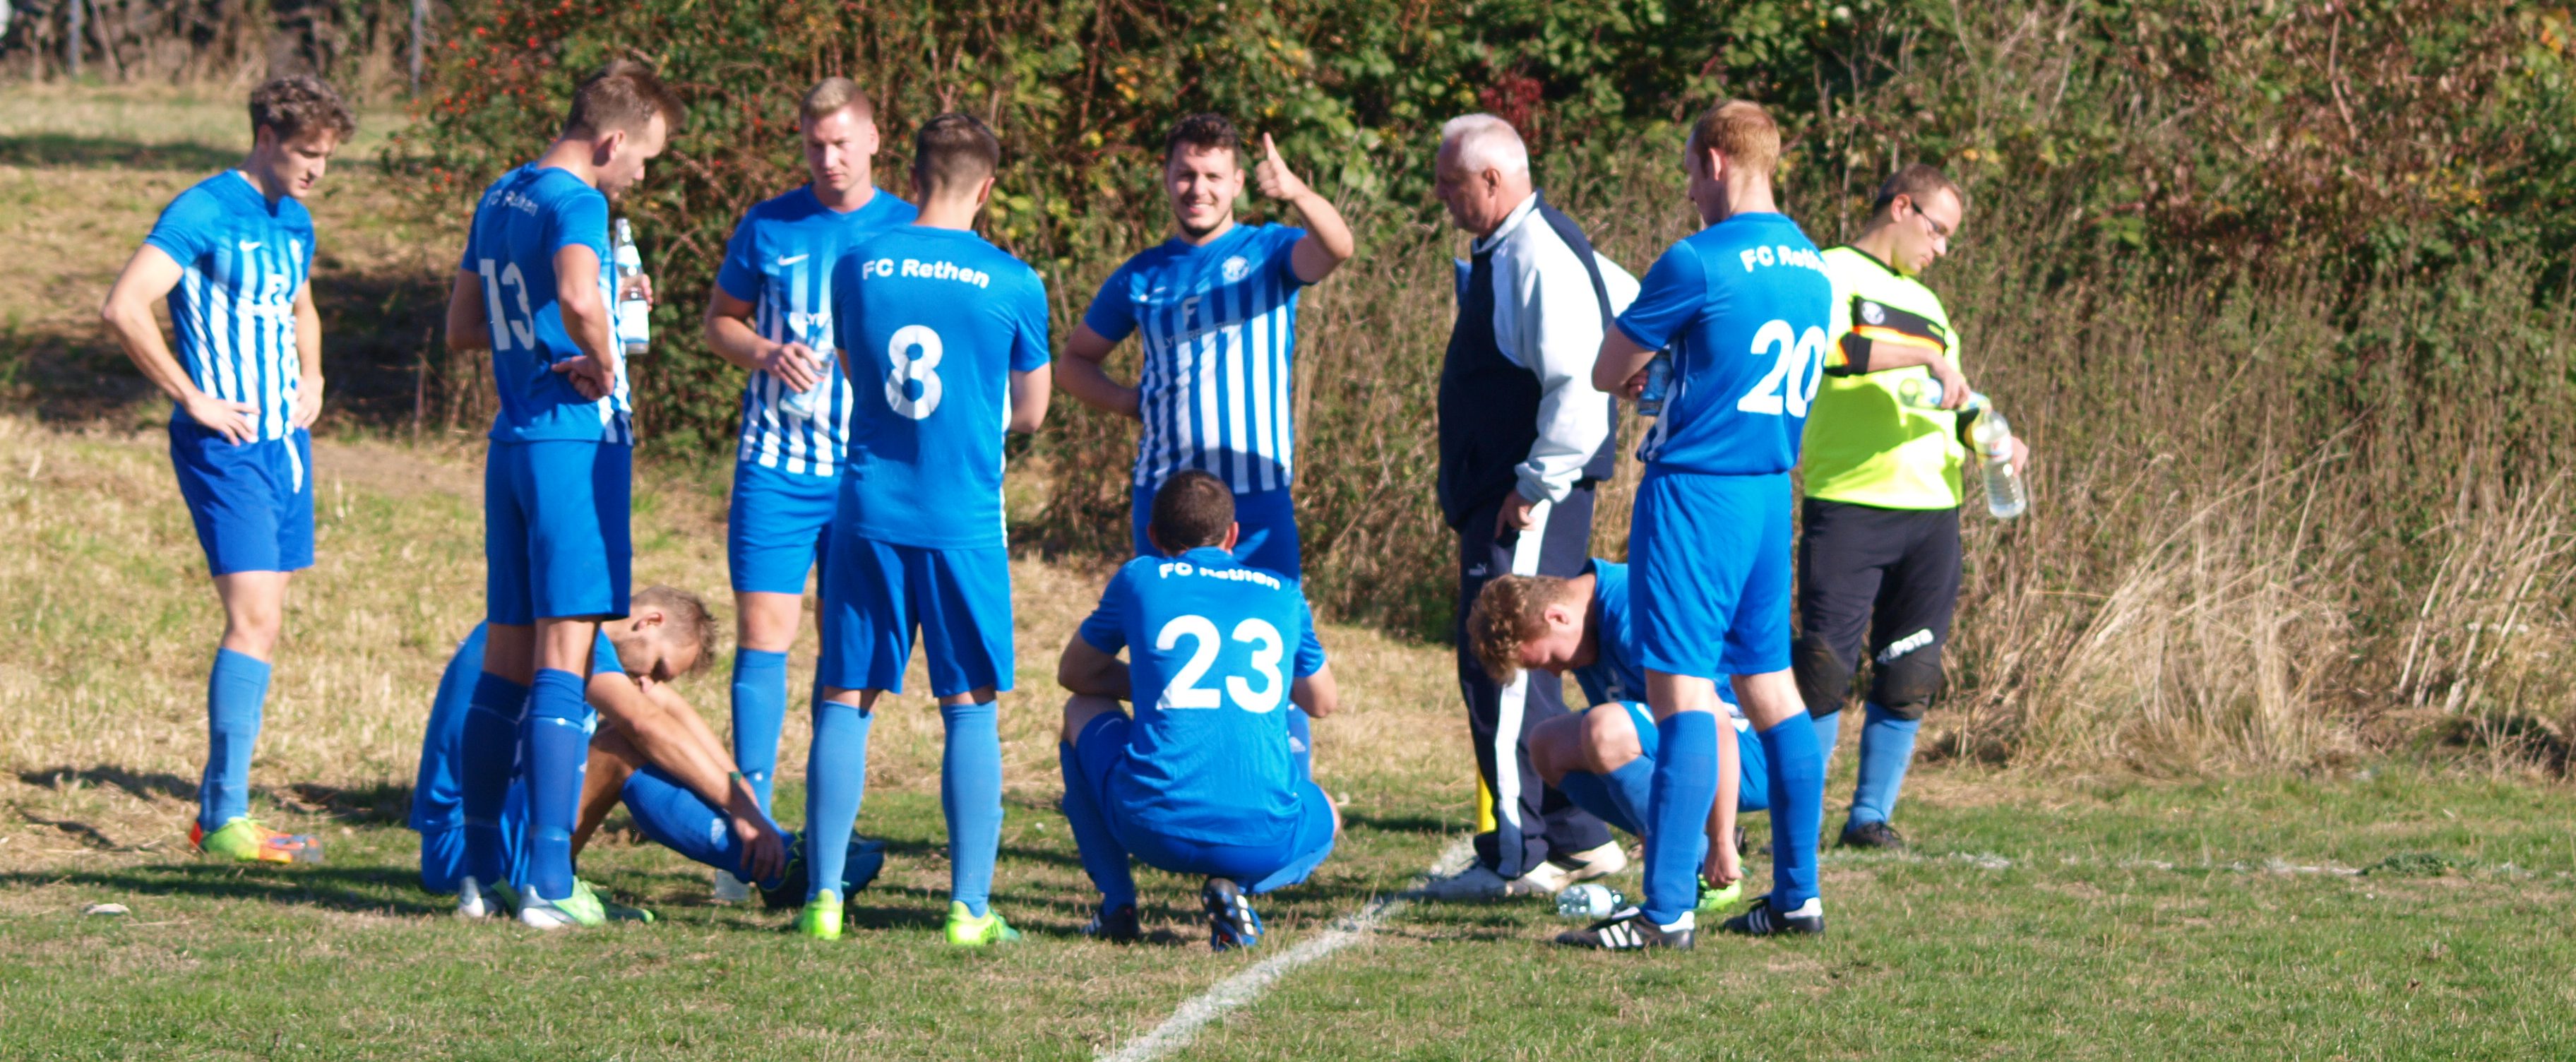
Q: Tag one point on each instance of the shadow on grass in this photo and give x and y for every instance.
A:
(1423, 824)
(141, 785)
(369, 889)
(69, 151)
(379, 804)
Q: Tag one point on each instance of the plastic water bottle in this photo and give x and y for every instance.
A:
(802, 404)
(1659, 381)
(634, 315)
(730, 889)
(1588, 900)
(1924, 392)
(2006, 494)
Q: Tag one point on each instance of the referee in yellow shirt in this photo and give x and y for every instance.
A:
(1878, 566)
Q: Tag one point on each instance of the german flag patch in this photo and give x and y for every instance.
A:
(1874, 323)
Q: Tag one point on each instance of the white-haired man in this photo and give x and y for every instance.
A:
(1524, 436)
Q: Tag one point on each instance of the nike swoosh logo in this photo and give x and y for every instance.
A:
(250, 245)
(793, 261)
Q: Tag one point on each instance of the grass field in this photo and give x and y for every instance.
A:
(2384, 911)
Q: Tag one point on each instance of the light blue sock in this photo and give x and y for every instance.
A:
(486, 761)
(1103, 858)
(836, 781)
(235, 691)
(1797, 809)
(1829, 733)
(557, 735)
(1301, 742)
(1683, 791)
(684, 822)
(1886, 750)
(759, 715)
(970, 795)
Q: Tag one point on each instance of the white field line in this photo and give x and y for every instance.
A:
(1244, 987)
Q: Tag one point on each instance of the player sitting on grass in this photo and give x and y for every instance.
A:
(232, 254)
(945, 339)
(1602, 758)
(652, 752)
(1202, 780)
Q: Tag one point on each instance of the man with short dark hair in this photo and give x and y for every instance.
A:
(1878, 564)
(771, 313)
(233, 255)
(1202, 780)
(532, 287)
(1524, 436)
(944, 337)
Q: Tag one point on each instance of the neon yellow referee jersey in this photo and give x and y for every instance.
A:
(1863, 446)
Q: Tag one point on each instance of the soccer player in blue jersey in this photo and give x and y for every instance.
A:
(771, 313)
(1202, 780)
(652, 753)
(944, 339)
(532, 287)
(1743, 306)
(232, 255)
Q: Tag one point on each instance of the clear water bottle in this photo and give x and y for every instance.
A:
(1588, 900)
(1924, 392)
(634, 315)
(730, 889)
(1659, 382)
(2006, 494)
(802, 404)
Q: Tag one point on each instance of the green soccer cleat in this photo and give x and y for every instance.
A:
(618, 912)
(821, 918)
(582, 908)
(243, 839)
(1714, 900)
(967, 931)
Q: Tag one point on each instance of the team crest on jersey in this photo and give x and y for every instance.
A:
(1873, 313)
(1236, 269)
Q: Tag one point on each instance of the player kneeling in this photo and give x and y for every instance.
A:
(652, 753)
(1602, 758)
(1203, 780)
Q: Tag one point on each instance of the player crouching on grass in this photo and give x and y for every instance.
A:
(232, 254)
(652, 752)
(1602, 758)
(1204, 779)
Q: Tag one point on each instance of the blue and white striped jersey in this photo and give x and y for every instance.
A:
(242, 261)
(780, 260)
(521, 221)
(1219, 325)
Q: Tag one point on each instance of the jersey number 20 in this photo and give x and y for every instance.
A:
(1796, 371)
(1267, 651)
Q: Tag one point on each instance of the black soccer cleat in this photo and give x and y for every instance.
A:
(1872, 835)
(859, 868)
(1630, 930)
(1231, 921)
(1764, 921)
(1116, 926)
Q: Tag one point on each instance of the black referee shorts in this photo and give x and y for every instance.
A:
(1877, 585)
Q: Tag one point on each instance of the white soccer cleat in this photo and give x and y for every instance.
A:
(1600, 862)
(474, 900)
(1479, 882)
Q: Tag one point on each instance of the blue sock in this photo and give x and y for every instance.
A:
(1591, 792)
(759, 715)
(1886, 749)
(836, 780)
(485, 762)
(684, 822)
(1829, 732)
(970, 795)
(1102, 856)
(1797, 809)
(235, 691)
(1683, 791)
(1301, 742)
(557, 733)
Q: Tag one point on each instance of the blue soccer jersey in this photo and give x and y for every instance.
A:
(1219, 328)
(780, 261)
(242, 261)
(1743, 305)
(932, 322)
(1212, 647)
(1613, 674)
(523, 219)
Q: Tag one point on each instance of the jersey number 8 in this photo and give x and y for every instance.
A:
(910, 369)
(1267, 651)
(1799, 364)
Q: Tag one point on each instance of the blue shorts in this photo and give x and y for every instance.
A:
(1708, 573)
(876, 594)
(1752, 788)
(554, 530)
(777, 525)
(1267, 540)
(1100, 751)
(252, 502)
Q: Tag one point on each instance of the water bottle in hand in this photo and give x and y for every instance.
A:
(802, 404)
(1924, 392)
(2006, 494)
(1659, 381)
(634, 315)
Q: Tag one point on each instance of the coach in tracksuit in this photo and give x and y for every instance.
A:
(1524, 436)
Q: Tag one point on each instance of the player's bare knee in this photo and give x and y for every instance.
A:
(1079, 711)
(1609, 739)
(767, 622)
(1555, 747)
